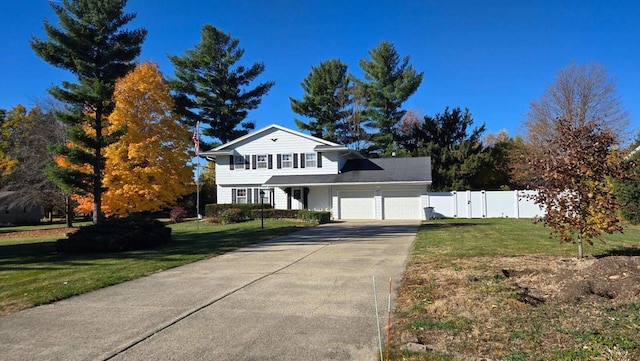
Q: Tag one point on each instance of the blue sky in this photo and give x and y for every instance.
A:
(494, 57)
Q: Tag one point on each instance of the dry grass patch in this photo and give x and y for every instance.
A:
(538, 305)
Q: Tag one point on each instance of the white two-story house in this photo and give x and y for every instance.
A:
(297, 171)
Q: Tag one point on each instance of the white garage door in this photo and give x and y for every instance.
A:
(357, 205)
(401, 204)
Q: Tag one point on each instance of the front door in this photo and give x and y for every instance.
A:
(296, 198)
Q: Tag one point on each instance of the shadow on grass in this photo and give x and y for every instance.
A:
(204, 244)
(436, 224)
(620, 251)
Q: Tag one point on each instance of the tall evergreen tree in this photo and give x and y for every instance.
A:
(389, 81)
(92, 44)
(325, 101)
(211, 88)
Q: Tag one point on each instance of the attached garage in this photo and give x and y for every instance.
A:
(380, 188)
(357, 205)
(401, 204)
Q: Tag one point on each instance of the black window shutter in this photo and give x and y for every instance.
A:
(231, 163)
(249, 195)
(247, 162)
(233, 195)
(295, 160)
(279, 156)
(256, 195)
(319, 162)
(305, 198)
(270, 161)
(288, 191)
(253, 161)
(302, 160)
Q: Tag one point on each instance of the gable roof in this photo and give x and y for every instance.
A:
(366, 171)
(269, 127)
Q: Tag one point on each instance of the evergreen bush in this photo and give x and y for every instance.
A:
(116, 235)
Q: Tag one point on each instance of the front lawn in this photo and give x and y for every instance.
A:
(502, 289)
(32, 272)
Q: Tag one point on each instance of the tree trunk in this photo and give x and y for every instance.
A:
(97, 170)
(68, 210)
(580, 251)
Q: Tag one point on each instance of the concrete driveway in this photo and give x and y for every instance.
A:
(305, 296)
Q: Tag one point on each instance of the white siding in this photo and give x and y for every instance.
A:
(285, 143)
(319, 199)
(223, 194)
(280, 198)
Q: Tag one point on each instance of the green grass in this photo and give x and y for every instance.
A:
(454, 297)
(460, 238)
(32, 272)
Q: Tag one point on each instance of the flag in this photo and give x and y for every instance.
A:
(196, 141)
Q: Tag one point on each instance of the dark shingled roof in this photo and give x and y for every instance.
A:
(376, 170)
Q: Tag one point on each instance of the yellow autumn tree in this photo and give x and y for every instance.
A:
(147, 169)
(10, 125)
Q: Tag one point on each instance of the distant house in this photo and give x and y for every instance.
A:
(298, 171)
(13, 212)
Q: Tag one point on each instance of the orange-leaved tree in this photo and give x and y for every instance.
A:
(147, 168)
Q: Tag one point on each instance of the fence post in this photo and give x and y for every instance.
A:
(484, 203)
(455, 204)
(517, 204)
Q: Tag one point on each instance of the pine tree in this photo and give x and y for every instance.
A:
(92, 44)
(211, 88)
(146, 170)
(326, 99)
(388, 81)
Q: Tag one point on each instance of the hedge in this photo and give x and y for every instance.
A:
(310, 216)
(232, 215)
(215, 210)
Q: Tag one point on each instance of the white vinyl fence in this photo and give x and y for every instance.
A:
(483, 204)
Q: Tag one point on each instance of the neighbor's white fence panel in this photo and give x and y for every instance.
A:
(483, 204)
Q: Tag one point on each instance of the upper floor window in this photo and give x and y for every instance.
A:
(287, 161)
(238, 162)
(310, 160)
(261, 161)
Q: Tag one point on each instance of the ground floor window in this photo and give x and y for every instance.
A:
(266, 198)
(241, 196)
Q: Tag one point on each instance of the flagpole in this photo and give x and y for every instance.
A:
(196, 140)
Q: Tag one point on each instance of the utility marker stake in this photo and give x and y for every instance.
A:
(389, 321)
(375, 297)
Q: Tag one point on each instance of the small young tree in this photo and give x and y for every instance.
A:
(575, 172)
